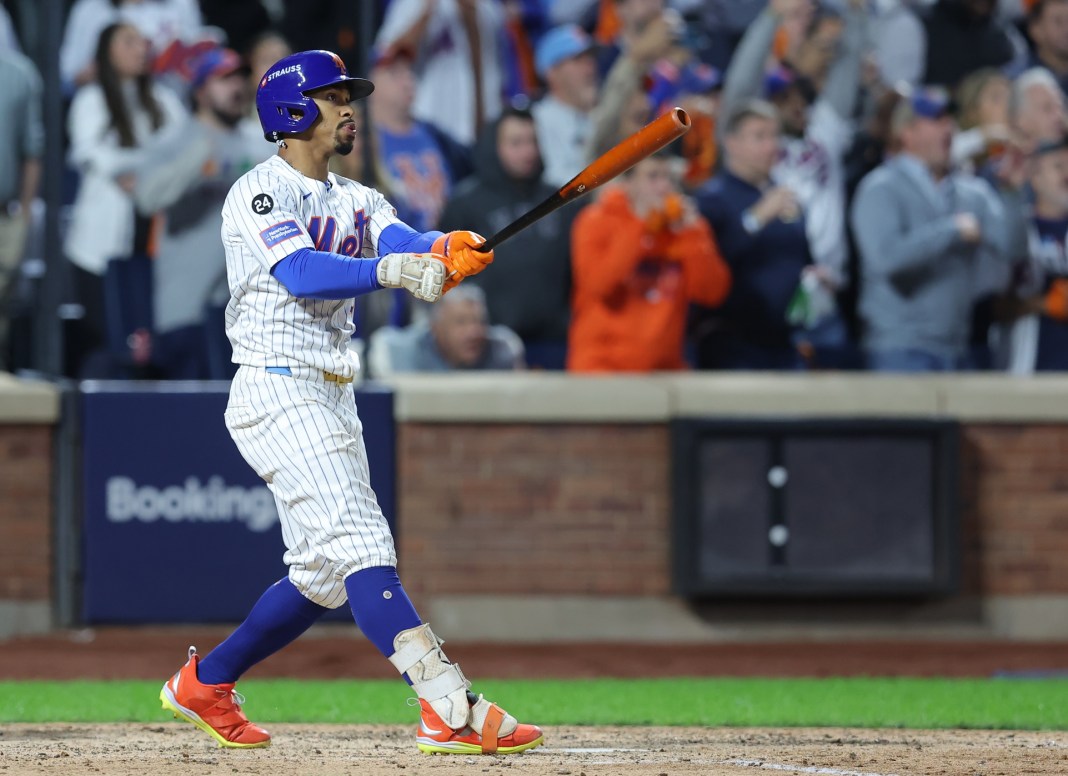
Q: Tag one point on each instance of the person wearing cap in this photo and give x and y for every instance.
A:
(695, 87)
(414, 161)
(421, 163)
(817, 127)
(565, 61)
(460, 78)
(528, 287)
(186, 183)
(1036, 339)
(924, 234)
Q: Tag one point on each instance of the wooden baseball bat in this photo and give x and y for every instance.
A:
(645, 142)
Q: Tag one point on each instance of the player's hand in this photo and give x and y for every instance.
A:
(420, 274)
(459, 251)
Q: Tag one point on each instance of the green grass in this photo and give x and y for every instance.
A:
(913, 703)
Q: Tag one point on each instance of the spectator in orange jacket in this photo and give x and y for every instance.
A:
(640, 255)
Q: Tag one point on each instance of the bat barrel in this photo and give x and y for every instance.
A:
(645, 142)
(617, 160)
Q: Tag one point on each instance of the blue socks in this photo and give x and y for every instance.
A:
(380, 606)
(278, 618)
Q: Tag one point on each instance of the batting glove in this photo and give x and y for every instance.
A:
(420, 274)
(460, 252)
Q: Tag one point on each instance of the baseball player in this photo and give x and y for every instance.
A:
(300, 244)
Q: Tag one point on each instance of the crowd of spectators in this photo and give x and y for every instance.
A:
(867, 184)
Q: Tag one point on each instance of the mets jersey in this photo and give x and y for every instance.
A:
(270, 212)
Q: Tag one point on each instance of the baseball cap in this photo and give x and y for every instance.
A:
(698, 78)
(387, 55)
(930, 103)
(214, 61)
(558, 44)
(666, 81)
(782, 78)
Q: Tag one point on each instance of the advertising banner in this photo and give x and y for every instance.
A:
(177, 527)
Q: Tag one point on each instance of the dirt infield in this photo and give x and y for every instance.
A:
(174, 749)
(178, 750)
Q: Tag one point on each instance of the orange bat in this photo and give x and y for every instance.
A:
(645, 142)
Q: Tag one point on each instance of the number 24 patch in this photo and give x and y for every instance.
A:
(262, 204)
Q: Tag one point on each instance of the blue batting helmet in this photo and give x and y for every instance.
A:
(282, 99)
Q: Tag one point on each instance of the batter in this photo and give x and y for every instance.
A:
(301, 243)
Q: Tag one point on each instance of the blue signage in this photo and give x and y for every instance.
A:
(177, 527)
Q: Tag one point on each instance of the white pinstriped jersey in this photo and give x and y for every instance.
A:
(270, 212)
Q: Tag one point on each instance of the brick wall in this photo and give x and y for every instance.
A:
(1015, 508)
(534, 509)
(585, 509)
(25, 512)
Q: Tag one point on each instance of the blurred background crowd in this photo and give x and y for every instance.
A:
(867, 184)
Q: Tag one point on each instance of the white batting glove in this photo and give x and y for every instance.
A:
(420, 274)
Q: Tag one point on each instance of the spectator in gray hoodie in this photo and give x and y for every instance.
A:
(923, 232)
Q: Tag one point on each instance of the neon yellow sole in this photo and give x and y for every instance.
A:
(459, 748)
(180, 714)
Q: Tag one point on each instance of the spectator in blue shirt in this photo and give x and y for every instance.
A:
(761, 234)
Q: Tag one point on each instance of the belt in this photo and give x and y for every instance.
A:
(330, 377)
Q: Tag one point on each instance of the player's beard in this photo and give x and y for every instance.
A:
(342, 147)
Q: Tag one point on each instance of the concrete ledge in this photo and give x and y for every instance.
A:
(1006, 398)
(27, 401)
(510, 397)
(544, 397)
(24, 618)
(824, 395)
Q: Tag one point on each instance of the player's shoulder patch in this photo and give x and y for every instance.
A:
(279, 233)
(262, 204)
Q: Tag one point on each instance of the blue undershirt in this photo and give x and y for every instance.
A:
(312, 274)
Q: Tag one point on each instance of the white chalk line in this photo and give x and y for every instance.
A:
(761, 764)
(764, 765)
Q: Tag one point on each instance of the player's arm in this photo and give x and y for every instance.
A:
(315, 274)
(459, 249)
(262, 213)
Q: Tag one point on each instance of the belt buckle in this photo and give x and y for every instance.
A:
(330, 377)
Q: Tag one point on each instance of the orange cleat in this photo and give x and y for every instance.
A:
(214, 708)
(435, 737)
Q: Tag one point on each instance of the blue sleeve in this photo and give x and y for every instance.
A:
(401, 238)
(322, 275)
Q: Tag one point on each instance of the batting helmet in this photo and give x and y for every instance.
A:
(282, 99)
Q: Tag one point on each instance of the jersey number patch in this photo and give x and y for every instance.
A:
(262, 204)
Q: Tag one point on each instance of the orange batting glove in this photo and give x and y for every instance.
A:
(459, 251)
(1055, 303)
